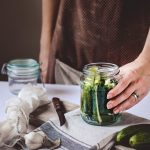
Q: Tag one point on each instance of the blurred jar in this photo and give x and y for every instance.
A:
(21, 72)
(97, 80)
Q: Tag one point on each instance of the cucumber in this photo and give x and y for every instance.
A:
(101, 94)
(96, 112)
(124, 135)
(140, 140)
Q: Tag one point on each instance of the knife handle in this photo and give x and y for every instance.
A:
(59, 109)
(57, 103)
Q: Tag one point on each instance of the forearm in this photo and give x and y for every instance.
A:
(144, 57)
(49, 15)
(49, 11)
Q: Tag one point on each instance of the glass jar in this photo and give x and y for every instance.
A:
(97, 80)
(21, 72)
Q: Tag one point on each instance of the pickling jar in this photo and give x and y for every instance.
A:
(21, 72)
(96, 81)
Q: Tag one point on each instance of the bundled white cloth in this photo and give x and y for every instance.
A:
(18, 109)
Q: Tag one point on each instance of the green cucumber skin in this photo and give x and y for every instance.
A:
(86, 101)
(94, 108)
(124, 135)
(101, 94)
(140, 140)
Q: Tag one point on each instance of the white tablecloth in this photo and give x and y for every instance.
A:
(69, 93)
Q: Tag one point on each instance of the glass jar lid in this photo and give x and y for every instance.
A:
(23, 67)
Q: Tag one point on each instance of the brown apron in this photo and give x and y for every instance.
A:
(99, 30)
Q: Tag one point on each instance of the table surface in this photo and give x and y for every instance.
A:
(69, 93)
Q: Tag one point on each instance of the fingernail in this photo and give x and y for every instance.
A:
(109, 106)
(116, 111)
(109, 95)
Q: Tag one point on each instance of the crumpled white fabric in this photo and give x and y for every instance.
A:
(17, 112)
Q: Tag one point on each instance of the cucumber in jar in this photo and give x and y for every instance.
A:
(94, 97)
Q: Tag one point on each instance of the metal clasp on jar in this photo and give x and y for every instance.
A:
(4, 69)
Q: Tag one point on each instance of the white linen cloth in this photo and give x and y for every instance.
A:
(77, 134)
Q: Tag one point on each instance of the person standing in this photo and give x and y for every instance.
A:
(77, 32)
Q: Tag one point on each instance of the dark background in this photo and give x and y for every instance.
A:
(20, 27)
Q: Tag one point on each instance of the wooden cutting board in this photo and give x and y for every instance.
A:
(46, 112)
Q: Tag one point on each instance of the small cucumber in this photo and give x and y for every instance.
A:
(124, 135)
(140, 140)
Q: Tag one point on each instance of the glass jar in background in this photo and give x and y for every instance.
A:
(97, 80)
(21, 72)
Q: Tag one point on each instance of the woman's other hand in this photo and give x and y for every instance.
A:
(49, 11)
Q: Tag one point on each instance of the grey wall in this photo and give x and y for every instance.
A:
(20, 25)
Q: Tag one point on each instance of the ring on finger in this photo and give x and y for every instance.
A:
(135, 95)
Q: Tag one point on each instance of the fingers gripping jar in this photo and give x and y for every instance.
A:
(21, 72)
(97, 80)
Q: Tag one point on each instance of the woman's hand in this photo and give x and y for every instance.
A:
(133, 86)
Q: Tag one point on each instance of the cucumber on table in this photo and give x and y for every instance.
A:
(124, 135)
(140, 140)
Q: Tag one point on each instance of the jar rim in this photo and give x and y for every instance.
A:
(22, 63)
(104, 68)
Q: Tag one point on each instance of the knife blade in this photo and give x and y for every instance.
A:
(58, 105)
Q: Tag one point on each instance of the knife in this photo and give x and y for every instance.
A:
(58, 105)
